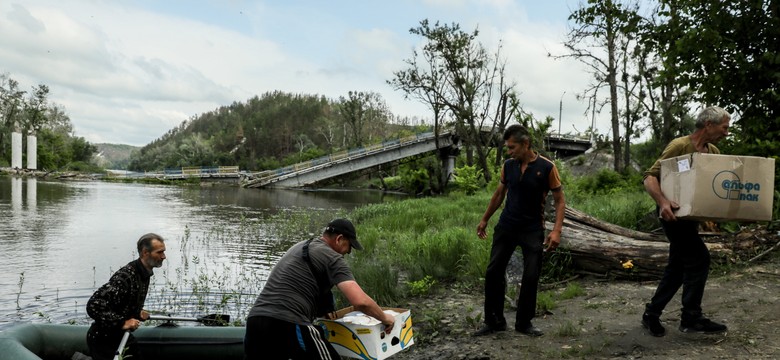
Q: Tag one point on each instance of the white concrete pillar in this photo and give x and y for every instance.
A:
(16, 194)
(32, 194)
(32, 152)
(448, 167)
(16, 150)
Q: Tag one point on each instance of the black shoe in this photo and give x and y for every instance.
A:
(702, 325)
(487, 330)
(653, 324)
(529, 330)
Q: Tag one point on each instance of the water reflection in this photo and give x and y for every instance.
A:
(61, 240)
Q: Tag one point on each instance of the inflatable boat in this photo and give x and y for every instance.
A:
(62, 342)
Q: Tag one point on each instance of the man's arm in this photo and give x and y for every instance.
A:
(495, 202)
(666, 207)
(554, 237)
(364, 303)
(105, 303)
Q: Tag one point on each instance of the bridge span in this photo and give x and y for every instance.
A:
(344, 162)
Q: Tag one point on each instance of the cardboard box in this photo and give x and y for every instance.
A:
(368, 341)
(720, 187)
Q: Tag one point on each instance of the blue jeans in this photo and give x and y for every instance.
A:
(689, 265)
(504, 244)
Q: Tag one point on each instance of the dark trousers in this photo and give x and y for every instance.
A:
(689, 265)
(271, 339)
(104, 343)
(504, 244)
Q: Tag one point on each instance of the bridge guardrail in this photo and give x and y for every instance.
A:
(266, 176)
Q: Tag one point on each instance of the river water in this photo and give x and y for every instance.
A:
(59, 241)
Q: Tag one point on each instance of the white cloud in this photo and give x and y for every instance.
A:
(127, 75)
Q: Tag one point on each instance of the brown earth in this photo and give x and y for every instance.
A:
(605, 322)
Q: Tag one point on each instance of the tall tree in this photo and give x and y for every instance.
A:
(600, 26)
(728, 53)
(11, 105)
(36, 108)
(364, 113)
(459, 79)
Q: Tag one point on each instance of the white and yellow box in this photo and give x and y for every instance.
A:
(356, 335)
(720, 187)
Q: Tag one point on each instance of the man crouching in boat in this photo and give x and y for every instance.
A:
(117, 306)
(279, 325)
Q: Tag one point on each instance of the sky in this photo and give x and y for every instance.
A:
(128, 71)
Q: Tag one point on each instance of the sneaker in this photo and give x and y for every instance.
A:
(653, 324)
(487, 330)
(530, 330)
(702, 325)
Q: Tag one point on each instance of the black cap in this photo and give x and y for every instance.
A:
(344, 227)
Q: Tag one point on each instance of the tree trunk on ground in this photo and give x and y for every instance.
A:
(599, 247)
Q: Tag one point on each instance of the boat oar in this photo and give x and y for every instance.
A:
(208, 320)
(121, 345)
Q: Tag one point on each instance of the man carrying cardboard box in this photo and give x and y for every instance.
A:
(689, 259)
(279, 325)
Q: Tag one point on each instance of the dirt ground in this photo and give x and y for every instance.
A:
(604, 323)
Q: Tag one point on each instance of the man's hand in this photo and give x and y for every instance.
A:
(131, 324)
(389, 322)
(481, 229)
(552, 241)
(667, 209)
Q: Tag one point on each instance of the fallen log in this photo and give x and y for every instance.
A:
(596, 246)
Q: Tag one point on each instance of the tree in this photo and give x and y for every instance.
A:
(600, 27)
(728, 53)
(458, 79)
(11, 102)
(364, 113)
(35, 108)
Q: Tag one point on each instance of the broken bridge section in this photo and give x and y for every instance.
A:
(337, 164)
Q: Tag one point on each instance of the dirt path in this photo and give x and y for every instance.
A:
(605, 323)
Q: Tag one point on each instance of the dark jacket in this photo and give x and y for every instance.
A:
(121, 298)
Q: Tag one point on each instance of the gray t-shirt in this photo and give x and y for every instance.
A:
(291, 291)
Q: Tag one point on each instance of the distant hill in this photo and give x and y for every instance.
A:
(114, 156)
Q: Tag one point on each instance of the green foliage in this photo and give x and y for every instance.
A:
(414, 179)
(270, 131)
(626, 208)
(421, 287)
(428, 237)
(557, 266)
(545, 302)
(605, 181)
(57, 151)
(468, 179)
(572, 290)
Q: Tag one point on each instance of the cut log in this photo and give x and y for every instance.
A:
(599, 247)
(581, 217)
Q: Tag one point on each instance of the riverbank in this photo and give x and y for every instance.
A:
(603, 322)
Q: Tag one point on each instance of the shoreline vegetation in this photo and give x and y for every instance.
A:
(415, 250)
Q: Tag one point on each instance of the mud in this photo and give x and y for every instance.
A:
(604, 322)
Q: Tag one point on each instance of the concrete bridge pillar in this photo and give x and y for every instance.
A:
(16, 150)
(32, 152)
(448, 156)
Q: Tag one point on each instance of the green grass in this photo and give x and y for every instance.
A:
(572, 290)
(626, 209)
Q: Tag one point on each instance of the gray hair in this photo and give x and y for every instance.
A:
(145, 242)
(713, 115)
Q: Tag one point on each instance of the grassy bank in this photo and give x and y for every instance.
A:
(414, 245)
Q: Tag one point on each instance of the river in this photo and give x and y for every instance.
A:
(61, 240)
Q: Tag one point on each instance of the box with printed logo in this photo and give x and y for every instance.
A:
(359, 336)
(720, 187)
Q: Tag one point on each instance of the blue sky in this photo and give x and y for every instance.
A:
(128, 71)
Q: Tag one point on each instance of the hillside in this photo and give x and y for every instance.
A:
(114, 156)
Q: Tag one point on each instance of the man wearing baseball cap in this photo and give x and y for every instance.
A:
(298, 290)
